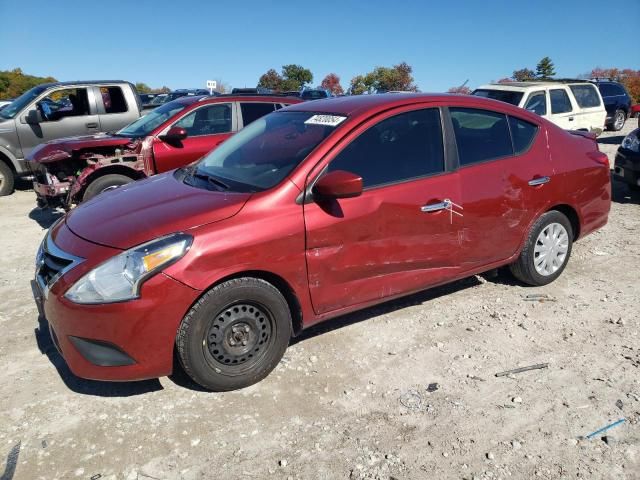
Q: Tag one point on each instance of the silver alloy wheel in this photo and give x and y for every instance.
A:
(551, 249)
(1, 179)
(112, 187)
(619, 122)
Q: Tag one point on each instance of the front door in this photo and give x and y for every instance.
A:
(504, 174)
(65, 112)
(400, 235)
(207, 127)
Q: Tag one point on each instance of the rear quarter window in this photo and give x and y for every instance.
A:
(523, 133)
(586, 95)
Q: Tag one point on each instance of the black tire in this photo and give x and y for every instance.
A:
(210, 338)
(619, 119)
(106, 182)
(524, 268)
(7, 179)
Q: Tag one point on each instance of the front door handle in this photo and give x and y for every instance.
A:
(435, 207)
(534, 182)
(92, 125)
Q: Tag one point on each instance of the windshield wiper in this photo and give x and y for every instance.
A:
(211, 179)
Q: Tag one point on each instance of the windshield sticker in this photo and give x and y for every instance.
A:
(327, 120)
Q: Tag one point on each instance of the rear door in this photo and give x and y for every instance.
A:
(207, 127)
(65, 112)
(563, 111)
(399, 235)
(114, 109)
(503, 182)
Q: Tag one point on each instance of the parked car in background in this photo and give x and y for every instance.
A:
(146, 98)
(72, 170)
(308, 213)
(314, 94)
(572, 104)
(55, 110)
(617, 101)
(635, 112)
(627, 162)
(163, 98)
(4, 103)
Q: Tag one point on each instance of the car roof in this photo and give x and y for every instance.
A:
(532, 85)
(81, 82)
(191, 99)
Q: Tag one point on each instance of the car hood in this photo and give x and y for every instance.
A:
(63, 148)
(148, 209)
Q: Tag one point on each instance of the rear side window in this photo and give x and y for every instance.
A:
(481, 135)
(523, 133)
(537, 103)
(586, 95)
(560, 102)
(253, 111)
(113, 100)
(399, 148)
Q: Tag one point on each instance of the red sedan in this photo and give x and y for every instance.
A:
(311, 212)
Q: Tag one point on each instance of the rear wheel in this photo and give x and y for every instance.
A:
(235, 335)
(6, 179)
(104, 184)
(618, 120)
(546, 251)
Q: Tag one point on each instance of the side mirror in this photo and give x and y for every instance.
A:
(175, 134)
(338, 184)
(33, 117)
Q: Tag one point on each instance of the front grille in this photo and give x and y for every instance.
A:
(51, 267)
(51, 264)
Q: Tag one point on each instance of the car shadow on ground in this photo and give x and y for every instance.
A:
(623, 193)
(45, 216)
(80, 385)
(617, 140)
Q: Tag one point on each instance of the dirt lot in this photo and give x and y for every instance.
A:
(351, 400)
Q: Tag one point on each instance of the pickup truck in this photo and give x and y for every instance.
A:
(62, 109)
(73, 170)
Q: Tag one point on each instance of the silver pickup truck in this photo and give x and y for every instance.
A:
(62, 109)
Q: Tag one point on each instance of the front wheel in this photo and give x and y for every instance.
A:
(6, 179)
(104, 184)
(546, 250)
(235, 335)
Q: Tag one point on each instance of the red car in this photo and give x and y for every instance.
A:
(311, 212)
(75, 169)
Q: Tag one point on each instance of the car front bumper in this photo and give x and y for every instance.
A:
(131, 340)
(627, 166)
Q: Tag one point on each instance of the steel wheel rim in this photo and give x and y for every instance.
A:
(619, 120)
(551, 249)
(238, 338)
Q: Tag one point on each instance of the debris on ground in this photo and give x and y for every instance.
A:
(539, 297)
(523, 369)
(604, 429)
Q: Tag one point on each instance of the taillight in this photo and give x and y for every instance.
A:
(600, 157)
(146, 152)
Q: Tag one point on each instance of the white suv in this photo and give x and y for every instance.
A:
(572, 105)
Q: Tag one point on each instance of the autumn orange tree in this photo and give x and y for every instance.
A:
(332, 83)
(628, 77)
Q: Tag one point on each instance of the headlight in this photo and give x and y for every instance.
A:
(120, 277)
(632, 142)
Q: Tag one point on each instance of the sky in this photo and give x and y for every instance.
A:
(183, 44)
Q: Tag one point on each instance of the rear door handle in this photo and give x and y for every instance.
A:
(435, 207)
(534, 182)
(91, 125)
(571, 119)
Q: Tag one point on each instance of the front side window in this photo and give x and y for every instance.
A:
(481, 135)
(399, 148)
(560, 102)
(537, 103)
(152, 120)
(253, 111)
(207, 120)
(507, 96)
(113, 100)
(586, 95)
(261, 155)
(69, 102)
(523, 133)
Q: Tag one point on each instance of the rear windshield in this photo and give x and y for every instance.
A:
(261, 155)
(610, 89)
(152, 120)
(503, 95)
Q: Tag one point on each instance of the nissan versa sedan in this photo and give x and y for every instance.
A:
(310, 212)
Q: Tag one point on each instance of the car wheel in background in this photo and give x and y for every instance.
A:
(618, 120)
(6, 179)
(546, 250)
(104, 184)
(235, 335)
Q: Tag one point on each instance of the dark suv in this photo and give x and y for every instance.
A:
(617, 101)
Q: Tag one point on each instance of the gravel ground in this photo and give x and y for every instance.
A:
(351, 399)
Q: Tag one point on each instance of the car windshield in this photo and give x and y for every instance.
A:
(261, 155)
(145, 125)
(15, 107)
(508, 96)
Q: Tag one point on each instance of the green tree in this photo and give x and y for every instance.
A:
(143, 87)
(14, 83)
(545, 69)
(524, 75)
(385, 79)
(295, 77)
